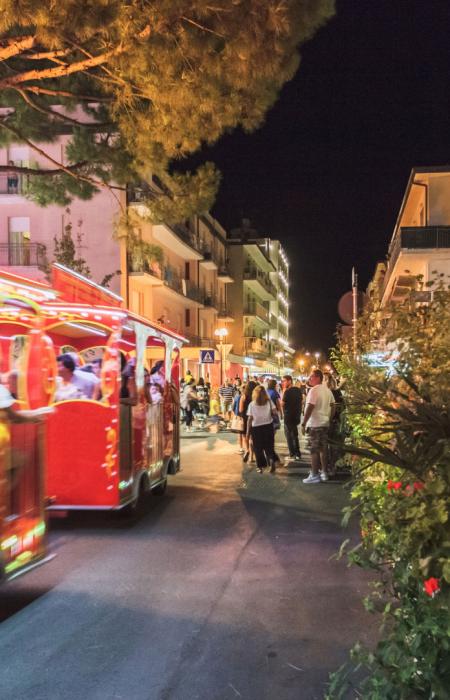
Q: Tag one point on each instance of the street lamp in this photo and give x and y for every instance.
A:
(301, 364)
(317, 356)
(221, 333)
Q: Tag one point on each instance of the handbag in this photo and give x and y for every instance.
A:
(237, 424)
(276, 420)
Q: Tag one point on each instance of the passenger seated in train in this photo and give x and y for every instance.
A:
(128, 393)
(66, 389)
(87, 382)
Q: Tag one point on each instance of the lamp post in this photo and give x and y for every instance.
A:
(317, 356)
(221, 333)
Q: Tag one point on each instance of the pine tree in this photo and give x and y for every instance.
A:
(156, 80)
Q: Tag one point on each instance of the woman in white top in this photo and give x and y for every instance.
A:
(260, 419)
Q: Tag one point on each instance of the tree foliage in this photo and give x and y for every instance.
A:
(399, 412)
(155, 82)
(65, 250)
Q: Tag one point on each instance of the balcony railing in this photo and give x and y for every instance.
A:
(170, 277)
(224, 271)
(255, 345)
(13, 183)
(256, 309)
(140, 195)
(22, 254)
(198, 340)
(209, 299)
(416, 238)
(252, 273)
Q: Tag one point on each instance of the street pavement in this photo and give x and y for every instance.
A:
(226, 589)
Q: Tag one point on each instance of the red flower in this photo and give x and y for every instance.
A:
(431, 586)
(418, 486)
(394, 485)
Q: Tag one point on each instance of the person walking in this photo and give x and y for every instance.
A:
(226, 399)
(292, 410)
(319, 411)
(260, 428)
(188, 401)
(335, 433)
(274, 396)
(244, 403)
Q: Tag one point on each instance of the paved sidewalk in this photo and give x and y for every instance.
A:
(226, 589)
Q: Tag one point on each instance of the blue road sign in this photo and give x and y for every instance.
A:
(206, 357)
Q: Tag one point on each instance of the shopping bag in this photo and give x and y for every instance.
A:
(237, 424)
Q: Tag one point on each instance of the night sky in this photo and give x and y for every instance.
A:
(327, 172)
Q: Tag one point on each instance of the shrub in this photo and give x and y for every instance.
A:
(398, 403)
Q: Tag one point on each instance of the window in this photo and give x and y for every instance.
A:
(19, 240)
(187, 317)
(187, 270)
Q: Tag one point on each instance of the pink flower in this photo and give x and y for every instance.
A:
(431, 586)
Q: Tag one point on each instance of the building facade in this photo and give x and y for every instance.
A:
(259, 303)
(420, 244)
(176, 275)
(27, 231)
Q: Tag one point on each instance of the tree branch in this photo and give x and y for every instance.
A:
(65, 70)
(37, 90)
(40, 171)
(60, 71)
(48, 111)
(15, 46)
(64, 168)
(48, 55)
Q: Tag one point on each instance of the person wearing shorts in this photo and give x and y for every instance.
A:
(226, 395)
(320, 407)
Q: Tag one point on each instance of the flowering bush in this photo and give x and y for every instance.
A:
(399, 413)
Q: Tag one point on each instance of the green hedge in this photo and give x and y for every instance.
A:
(398, 408)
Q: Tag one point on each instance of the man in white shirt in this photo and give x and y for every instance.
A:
(320, 407)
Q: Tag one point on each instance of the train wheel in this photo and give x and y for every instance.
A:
(139, 506)
(160, 489)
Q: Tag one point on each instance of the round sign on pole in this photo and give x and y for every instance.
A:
(345, 306)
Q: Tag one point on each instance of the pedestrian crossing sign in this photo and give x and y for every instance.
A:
(206, 357)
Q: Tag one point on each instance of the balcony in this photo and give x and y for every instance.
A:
(179, 239)
(259, 250)
(22, 255)
(256, 346)
(199, 341)
(225, 275)
(259, 283)
(209, 300)
(165, 277)
(13, 184)
(209, 261)
(414, 239)
(224, 314)
(417, 238)
(258, 311)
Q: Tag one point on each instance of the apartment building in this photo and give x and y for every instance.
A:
(176, 275)
(420, 243)
(27, 231)
(258, 302)
(185, 288)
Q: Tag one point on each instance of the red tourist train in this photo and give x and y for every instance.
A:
(107, 450)
(22, 434)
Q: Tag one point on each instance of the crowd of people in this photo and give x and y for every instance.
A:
(257, 408)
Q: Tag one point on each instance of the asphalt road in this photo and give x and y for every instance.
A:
(224, 590)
